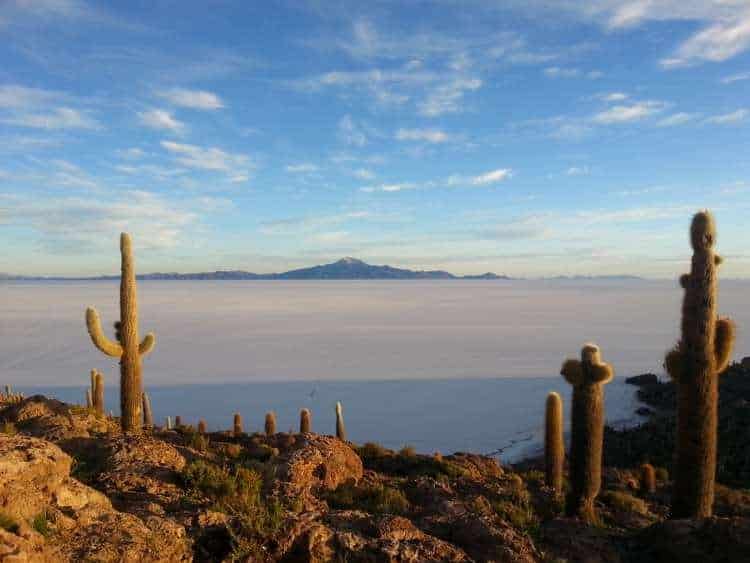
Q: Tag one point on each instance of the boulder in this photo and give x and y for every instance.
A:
(643, 379)
(54, 420)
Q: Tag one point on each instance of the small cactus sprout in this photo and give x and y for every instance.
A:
(588, 377)
(202, 426)
(8, 390)
(648, 478)
(340, 428)
(270, 423)
(237, 424)
(554, 446)
(178, 421)
(89, 402)
(127, 346)
(305, 422)
(148, 415)
(99, 393)
(93, 382)
(695, 364)
(169, 423)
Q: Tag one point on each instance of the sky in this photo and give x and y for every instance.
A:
(524, 137)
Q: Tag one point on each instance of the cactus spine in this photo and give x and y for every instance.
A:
(202, 426)
(148, 415)
(588, 377)
(554, 446)
(99, 393)
(700, 356)
(340, 428)
(305, 422)
(127, 347)
(270, 423)
(237, 424)
(648, 478)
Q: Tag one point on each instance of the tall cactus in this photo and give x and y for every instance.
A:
(148, 415)
(237, 424)
(554, 446)
(202, 427)
(648, 479)
(127, 347)
(270, 423)
(305, 422)
(340, 428)
(588, 377)
(89, 400)
(700, 356)
(99, 393)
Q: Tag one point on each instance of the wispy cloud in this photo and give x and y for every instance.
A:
(571, 72)
(453, 181)
(162, 120)
(732, 78)
(194, 99)
(350, 132)
(718, 42)
(426, 135)
(237, 166)
(60, 118)
(627, 113)
(15, 96)
(679, 118)
(302, 168)
(577, 171)
(448, 97)
(730, 118)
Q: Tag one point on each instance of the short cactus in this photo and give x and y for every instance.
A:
(340, 428)
(237, 424)
(202, 429)
(648, 478)
(305, 422)
(270, 424)
(178, 421)
(554, 446)
(588, 377)
(148, 415)
(702, 354)
(169, 423)
(99, 393)
(127, 347)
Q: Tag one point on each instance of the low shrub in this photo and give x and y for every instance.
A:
(377, 499)
(624, 502)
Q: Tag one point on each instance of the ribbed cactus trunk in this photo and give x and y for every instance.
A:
(237, 424)
(93, 384)
(305, 422)
(554, 446)
(169, 423)
(587, 377)
(202, 428)
(695, 364)
(648, 478)
(178, 421)
(89, 400)
(148, 415)
(99, 393)
(127, 347)
(340, 428)
(270, 424)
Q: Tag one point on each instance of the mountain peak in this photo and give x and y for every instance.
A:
(349, 260)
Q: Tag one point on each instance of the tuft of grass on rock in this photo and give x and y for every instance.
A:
(8, 428)
(41, 524)
(624, 502)
(376, 499)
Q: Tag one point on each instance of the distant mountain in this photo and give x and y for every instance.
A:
(344, 269)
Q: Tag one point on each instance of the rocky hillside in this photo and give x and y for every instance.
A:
(73, 488)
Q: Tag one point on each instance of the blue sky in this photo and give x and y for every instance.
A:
(533, 138)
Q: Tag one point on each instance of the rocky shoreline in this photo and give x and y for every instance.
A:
(74, 488)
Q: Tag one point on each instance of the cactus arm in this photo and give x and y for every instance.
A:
(147, 345)
(572, 371)
(723, 343)
(94, 326)
(718, 260)
(601, 373)
(673, 363)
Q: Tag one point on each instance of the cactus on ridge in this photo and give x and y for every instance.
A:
(648, 478)
(99, 393)
(237, 424)
(305, 421)
(588, 377)
(202, 429)
(169, 423)
(270, 423)
(340, 428)
(127, 346)
(701, 355)
(554, 446)
(89, 402)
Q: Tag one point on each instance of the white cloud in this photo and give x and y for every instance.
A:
(351, 133)
(735, 78)
(614, 97)
(577, 171)
(680, 118)
(363, 174)
(14, 96)
(448, 97)
(627, 113)
(492, 177)
(161, 119)
(486, 179)
(60, 118)
(132, 153)
(730, 118)
(195, 99)
(236, 165)
(427, 135)
(718, 42)
(302, 168)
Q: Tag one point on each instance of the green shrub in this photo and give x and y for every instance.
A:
(624, 502)
(662, 475)
(41, 524)
(377, 499)
(372, 450)
(198, 442)
(8, 428)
